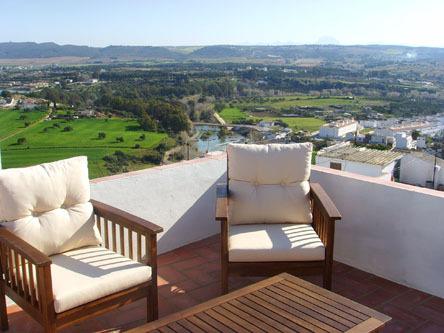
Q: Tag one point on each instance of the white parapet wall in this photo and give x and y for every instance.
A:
(393, 230)
(179, 197)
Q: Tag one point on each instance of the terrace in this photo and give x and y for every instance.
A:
(388, 247)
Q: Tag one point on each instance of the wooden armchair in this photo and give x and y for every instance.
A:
(64, 288)
(265, 248)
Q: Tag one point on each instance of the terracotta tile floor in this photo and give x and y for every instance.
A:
(190, 275)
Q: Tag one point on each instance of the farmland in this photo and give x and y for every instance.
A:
(56, 139)
(12, 121)
(234, 115)
(273, 108)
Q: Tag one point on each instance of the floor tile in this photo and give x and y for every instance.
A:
(191, 275)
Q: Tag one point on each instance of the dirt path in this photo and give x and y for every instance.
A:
(219, 119)
(26, 128)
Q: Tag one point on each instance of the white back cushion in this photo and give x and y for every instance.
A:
(269, 183)
(48, 205)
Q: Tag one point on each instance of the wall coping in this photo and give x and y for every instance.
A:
(208, 157)
(222, 156)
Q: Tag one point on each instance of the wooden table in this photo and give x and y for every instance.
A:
(283, 303)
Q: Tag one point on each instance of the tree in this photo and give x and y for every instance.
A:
(152, 156)
(21, 141)
(68, 129)
(416, 134)
(219, 106)
(147, 123)
(101, 135)
(6, 94)
(223, 132)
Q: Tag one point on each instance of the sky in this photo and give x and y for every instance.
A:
(210, 22)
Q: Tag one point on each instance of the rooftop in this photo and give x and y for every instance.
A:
(361, 155)
(190, 275)
(388, 250)
(428, 158)
(340, 123)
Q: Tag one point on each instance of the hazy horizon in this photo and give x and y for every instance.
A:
(237, 45)
(101, 23)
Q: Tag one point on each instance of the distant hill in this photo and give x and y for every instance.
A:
(325, 52)
(48, 50)
(223, 52)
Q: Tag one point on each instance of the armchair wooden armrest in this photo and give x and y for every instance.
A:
(9, 241)
(25, 277)
(323, 202)
(133, 237)
(325, 214)
(112, 223)
(124, 218)
(222, 202)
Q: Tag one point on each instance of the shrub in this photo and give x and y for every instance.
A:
(101, 135)
(152, 156)
(118, 162)
(120, 139)
(136, 146)
(68, 129)
(177, 156)
(162, 147)
(21, 141)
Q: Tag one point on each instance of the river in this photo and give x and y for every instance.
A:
(212, 142)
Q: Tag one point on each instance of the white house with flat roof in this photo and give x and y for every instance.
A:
(404, 140)
(363, 161)
(338, 129)
(422, 169)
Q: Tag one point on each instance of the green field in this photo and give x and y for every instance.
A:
(10, 121)
(233, 115)
(84, 134)
(300, 123)
(46, 142)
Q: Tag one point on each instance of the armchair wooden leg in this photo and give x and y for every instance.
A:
(3, 309)
(49, 327)
(152, 304)
(327, 276)
(224, 277)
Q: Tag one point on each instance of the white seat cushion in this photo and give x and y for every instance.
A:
(90, 273)
(269, 183)
(48, 205)
(274, 242)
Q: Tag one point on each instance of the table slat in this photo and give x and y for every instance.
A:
(283, 303)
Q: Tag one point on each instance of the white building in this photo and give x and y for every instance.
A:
(421, 169)
(421, 142)
(404, 141)
(363, 161)
(372, 123)
(338, 129)
(353, 137)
